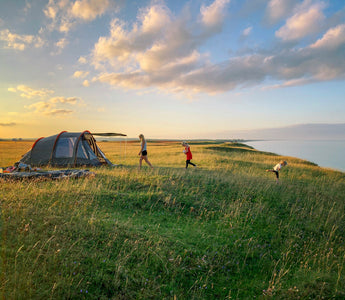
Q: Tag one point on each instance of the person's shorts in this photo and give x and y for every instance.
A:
(144, 153)
(277, 173)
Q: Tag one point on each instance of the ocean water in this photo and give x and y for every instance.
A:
(329, 154)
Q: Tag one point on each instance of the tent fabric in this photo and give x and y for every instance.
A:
(66, 149)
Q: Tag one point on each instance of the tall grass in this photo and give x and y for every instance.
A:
(223, 230)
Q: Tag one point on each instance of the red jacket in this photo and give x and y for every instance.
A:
(188, 153)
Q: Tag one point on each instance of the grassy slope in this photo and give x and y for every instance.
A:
(223, 230)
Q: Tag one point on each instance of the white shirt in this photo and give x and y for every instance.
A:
(145, 146)
(277, 167)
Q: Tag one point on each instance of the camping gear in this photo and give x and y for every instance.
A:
(47, 175)
(66, 149)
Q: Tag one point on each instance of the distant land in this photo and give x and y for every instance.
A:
(317, 131)
(293, 132)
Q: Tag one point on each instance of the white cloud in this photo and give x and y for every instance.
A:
(246, 32)
(20, 42)
(86, 83)
(307, 20)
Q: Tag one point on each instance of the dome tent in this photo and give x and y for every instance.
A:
(66, 149)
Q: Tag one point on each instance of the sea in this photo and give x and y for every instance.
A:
(325, 153)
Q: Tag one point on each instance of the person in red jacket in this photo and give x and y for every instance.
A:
(188, 154)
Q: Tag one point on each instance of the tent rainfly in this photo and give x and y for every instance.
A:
(67, 149)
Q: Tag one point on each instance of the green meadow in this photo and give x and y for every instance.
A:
(223, 230)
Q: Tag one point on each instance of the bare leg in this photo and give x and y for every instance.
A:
(147, 161)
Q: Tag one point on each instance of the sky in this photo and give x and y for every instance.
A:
(170, 69)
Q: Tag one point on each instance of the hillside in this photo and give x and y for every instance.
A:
(222, 230)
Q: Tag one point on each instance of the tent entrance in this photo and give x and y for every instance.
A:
(87, 148)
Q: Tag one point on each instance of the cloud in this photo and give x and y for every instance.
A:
(11, 124)
(59, 112)
(158, 47)
(162, 50)
(80, 74)
(213, 15)
(20, 42)
(48, 109)
(246, 32)
(307, 20)
(82, 60)
(277, 10)
(70, 100)
(86, 83)
(52, 107)
(64, 14)
(89, 9)
(61, 44)
(29, 93)
(332, 39)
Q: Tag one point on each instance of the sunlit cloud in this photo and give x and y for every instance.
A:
(10, 124)
(61, 44)
(214, 14)
(70, 100)
(159, 48)
(89, 9)
(48, 109)
(332, 39)
(163, 51)
(86, 83)
(58, 112)
(307, 20)
(80, 74)
(29, 93)
(52, 107)
(20, 42)
(82, 60)
(64, 15)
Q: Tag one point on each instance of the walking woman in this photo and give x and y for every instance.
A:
(143, 152)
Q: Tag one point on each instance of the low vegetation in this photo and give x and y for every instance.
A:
(222, 230)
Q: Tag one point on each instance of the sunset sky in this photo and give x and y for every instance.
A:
(170, 69)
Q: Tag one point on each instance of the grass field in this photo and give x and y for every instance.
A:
(224, 230)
